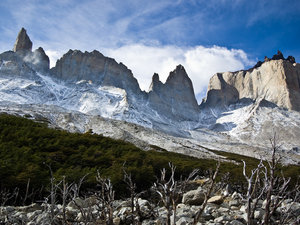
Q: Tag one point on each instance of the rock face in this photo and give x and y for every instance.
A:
(13, 65)
(276, 80)
(93, 66)
(23, 42)
(40, 60)
(176, 97)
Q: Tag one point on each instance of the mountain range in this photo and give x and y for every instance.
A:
(87, 91)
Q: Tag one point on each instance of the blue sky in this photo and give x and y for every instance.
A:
(154, 36)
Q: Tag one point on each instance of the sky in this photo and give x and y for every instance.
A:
(205, 36)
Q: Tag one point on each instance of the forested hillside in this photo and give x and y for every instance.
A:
(29, 149)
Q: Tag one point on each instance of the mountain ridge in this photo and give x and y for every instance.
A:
(86, 86)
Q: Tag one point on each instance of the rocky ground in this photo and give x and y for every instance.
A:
(222, 208)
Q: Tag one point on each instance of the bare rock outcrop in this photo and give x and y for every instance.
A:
(23, 42)
(38, 60)
(175, 97)
(93, 66)
(276, 80)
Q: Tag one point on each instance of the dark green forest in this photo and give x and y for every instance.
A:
(28, 149)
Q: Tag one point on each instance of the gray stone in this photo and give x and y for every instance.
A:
(194, 197)
(243, 208)
(116, 221)
(223, 210)
(234, 203)
(78, 203)
(33, 215)
(222, 219)
(184, 221)
(234, 207)
(149, 222)
(235, 222)
(216, 200)
(259, 213)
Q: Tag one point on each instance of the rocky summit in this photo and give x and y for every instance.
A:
(177, 89)
(94, 67)
(23, 42)
(276, 80)
(89, 91)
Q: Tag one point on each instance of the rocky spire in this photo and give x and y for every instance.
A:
(23, 42)
(156, 83)
(175, 98)
(179, 77)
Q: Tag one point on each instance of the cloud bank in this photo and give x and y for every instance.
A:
(200, 62)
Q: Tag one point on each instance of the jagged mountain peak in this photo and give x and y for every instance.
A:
(155, 77)
(175, 98)
(23, 41)
(156, 83)
(93, 66)
(94, 53)
(178, 75)
(278, 56)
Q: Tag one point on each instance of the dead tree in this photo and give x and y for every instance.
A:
(265, 184)
(207, 194)
(105, 197)
(287, 214)
(54, 185)
(276, 187)
(255, 190)
(170, 191)
(74, 191)
(65, 191)
(6, 195)
(134, 204)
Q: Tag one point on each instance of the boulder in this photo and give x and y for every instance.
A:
(116, 221)
(222, 219)
(184, 221)
(216, 200)
(194, 197)
(235, 222)
(78, 203)
(234, 202)
(259, 214)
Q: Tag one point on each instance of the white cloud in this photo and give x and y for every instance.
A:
(106, 25)
(200, 62)
(53, 56)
